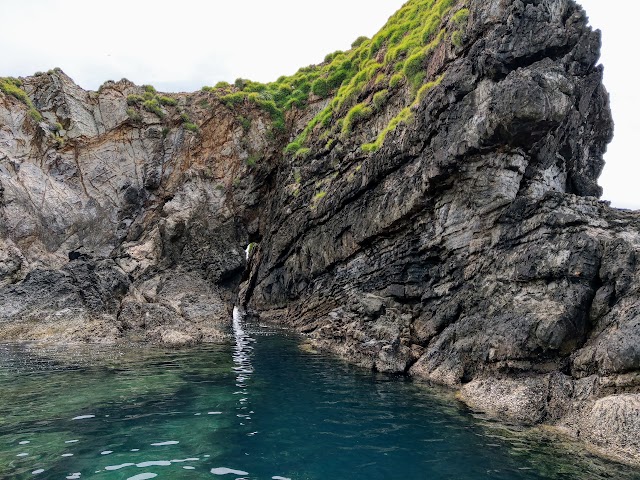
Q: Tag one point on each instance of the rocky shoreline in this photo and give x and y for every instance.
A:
(451, 231)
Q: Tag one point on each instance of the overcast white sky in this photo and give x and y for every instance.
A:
(181, 46)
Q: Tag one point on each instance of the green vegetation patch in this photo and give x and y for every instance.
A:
(134, 115)
(252, 160)
(151, 101)
(404, 117)
(357, 81)
(405, 43)
(461, 16)
(153, 106)
(13, 86)
(380, 99)
(171, 102)
(357, 113)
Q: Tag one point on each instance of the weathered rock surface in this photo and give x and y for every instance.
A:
(470, 250)
(121, 228)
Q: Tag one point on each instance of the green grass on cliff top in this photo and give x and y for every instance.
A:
(394, 58)
(13, 86)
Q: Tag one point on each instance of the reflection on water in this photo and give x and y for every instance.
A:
(260, 408)
(242, 358)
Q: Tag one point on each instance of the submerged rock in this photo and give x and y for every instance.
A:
(435, 213)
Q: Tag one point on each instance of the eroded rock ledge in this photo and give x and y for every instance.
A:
(468, 247)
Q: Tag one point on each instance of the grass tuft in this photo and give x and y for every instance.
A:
(13, 86)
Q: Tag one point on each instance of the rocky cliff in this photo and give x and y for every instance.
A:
(435, 213)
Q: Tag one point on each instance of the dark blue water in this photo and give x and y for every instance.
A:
(261, 409)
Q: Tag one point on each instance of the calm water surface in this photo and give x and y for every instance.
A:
(260, 409)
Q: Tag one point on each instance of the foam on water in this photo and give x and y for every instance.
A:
(227, 471)
(83, 417)
(164, 444)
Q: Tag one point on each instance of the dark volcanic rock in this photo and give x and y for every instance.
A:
(468, 248)
(471, 249)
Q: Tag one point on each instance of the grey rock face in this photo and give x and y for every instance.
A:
(121, 228)
(470, 250)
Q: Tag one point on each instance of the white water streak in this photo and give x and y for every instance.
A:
(242, 359)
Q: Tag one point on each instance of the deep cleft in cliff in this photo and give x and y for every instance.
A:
(424, 203)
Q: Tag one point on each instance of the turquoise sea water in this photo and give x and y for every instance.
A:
(260, 409)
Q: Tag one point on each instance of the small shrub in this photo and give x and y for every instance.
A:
(240, 83)
(380, 98)
(108, 83)
(302, 153)
(153, 106)
(415, 65)
(331, 56)
(418, 80)
(443, 6)
(172, 102)
(293, 147)
(430, 28)
(422, 92)
(191, 127)
(461, 16)
(10, 87)
(222, 85)
(357, 113)
(149, 88)
(404, 117)
(320, 195)
(278, 126)
(329, 144)
(380, 79)
(233, 99)
(252, 160)
(316, 198)
(321, 88)
(457, 38)
(246, 123)
(134, 99)
(15, 81)
(336, 78)
(134, 115)
(396, 80)
(359, 41)
(35, 114)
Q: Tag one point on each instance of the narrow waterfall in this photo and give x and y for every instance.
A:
(242, 359)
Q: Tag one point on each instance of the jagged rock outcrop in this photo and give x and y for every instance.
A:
(441, 222)
(471, 249)
(122, 226)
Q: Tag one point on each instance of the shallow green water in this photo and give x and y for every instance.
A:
(261, 409)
